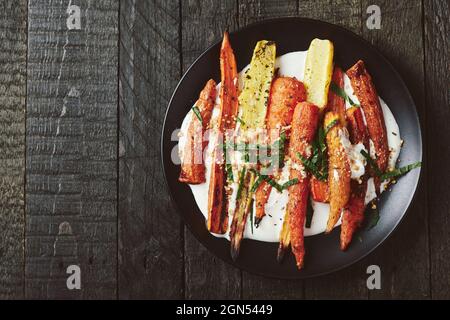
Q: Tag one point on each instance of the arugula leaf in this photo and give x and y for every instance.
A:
(400, 171)
(341, 93)
(197, 113)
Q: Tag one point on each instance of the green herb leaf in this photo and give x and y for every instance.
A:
(241, 184)
(373, 216)
(331, 125)
(197, 113)
(269, 180)
(372, 163)
(257, 183)
(289, 183)
(273, 183)
(229, 170)
(240, 120)
(400, 171)
(311, 167)
(341, 93)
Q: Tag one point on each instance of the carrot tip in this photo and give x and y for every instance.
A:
(281, 253)
(234, 253)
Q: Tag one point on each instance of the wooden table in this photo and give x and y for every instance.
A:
(80, 175)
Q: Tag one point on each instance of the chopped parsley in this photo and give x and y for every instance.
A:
(341, 93)
(197, 113)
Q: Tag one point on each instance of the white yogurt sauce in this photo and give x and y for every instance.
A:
(291, 65)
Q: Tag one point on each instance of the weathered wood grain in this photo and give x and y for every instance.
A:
(71, 187)
(345, 13)
(13, 55)
(404, 264)
(255, 10)
(437, 79)
(150, 233)
(206, 277)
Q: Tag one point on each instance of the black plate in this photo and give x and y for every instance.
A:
(323, 254)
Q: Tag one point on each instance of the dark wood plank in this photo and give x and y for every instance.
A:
(404, 264)
(348, 283)
(206, 277)
(13, 48)
(150, 233)
(256, 10)
(437, 78)
(71, 188)
(346, 13)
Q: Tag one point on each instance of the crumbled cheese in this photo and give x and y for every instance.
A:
(356, 159)
(373, 153)
(299, 167)
(335, 174)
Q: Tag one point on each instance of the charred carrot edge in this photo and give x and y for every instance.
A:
(367, 95)
(192, 165)
(357, 128)
(338, 170)
(304, 125)
(319, 190)
(353, 215)
(285, 239)
(217, 207)
(241, 214)
(261, 196)
(285, 94)
(335, 102)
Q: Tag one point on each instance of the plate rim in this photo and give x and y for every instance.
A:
(411, 198)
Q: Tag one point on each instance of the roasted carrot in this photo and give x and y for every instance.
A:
(335, 102)
(285, 239)
(357, 128)
(217, 204)
(192, 165)
(367, 95)
(304, 125)
(353, 214)
(339, 173)
(285, 93)
(319, 190)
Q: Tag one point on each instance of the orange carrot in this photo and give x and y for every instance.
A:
(192, 165)
(304, 125)
(217, 206)
(285, 93)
